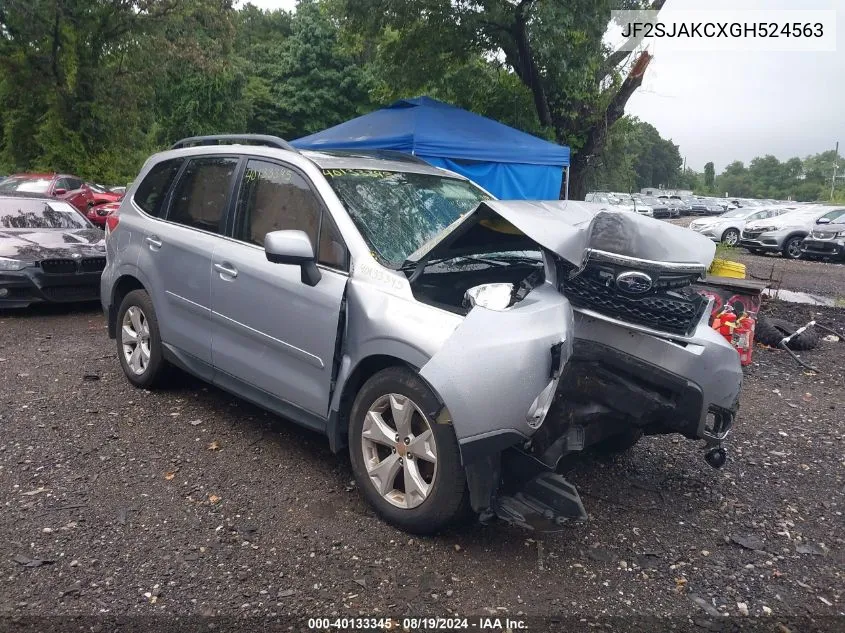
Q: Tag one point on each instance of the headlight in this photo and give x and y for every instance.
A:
(13, 264)
(491, 296)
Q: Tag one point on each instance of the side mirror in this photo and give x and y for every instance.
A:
(293, 248)
(823, 221)
(59, 192)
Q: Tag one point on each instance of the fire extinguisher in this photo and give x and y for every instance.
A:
(725, 322)
(743, 339)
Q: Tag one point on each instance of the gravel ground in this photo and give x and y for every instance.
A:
(188, 501)
(815, 277)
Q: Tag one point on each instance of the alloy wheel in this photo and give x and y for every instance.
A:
(135, 337)
(793, 248)
(731, 238)
(400, 452)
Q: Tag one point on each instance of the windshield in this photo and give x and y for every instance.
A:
(649, 201)
(737, 213)
(26, 184)
(398, 212)
(39, 214)
(836, 216)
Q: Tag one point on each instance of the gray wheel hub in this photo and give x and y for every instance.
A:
(135, 339)
(399, 449)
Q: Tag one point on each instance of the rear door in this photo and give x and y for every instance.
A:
(179, 252)
(270, 329)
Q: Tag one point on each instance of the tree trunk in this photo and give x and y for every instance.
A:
(597, 135)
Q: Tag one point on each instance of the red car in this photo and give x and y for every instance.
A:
(62, 186)
(98, 213)
(103, 195)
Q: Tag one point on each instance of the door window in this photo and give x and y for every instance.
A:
(153, 189)
(276, 198)
(200, 196)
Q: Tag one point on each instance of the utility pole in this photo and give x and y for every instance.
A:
(835, 165)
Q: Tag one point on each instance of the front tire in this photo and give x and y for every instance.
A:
(407, 466)
(792, 247)
(139, 341)
(730, 237)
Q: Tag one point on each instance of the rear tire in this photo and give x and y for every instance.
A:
(139, 341)
(400, 480)
(771, 331)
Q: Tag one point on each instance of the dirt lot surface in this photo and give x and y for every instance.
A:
(823, 278)
(187, 501)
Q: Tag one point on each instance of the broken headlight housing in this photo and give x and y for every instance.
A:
(497, 296)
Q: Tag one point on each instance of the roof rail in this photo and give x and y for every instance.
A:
(384, 154)
(235, 139)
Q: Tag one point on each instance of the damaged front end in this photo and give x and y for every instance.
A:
(581, 328)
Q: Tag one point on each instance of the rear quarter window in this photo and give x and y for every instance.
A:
(153, 189)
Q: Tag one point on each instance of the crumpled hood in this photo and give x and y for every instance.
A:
(37, 244)
(572, 229)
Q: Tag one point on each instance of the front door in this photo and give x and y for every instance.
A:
(269, 328)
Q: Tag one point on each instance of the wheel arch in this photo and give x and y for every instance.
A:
(800, 233)
(350, 380)
(730, 228)
(124, 284)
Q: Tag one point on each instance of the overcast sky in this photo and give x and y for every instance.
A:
(734, 106)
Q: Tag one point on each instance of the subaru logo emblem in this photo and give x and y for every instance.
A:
(633, 282)
(76, 255)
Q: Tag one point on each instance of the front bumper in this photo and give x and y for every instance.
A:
(616, 379)
(823, 248)
(710, 231)
(771, 241)
(19, 289)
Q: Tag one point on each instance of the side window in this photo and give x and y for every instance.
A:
(73, 184)
(332, 249)
(200, 195)
(275, 198)
(152, 190)
(63, 183)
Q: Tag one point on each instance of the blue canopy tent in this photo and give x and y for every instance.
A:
(510, 164)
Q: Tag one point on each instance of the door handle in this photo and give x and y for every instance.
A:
(226, 269)
(153, 242)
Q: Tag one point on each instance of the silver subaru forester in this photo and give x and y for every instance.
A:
(460, 346)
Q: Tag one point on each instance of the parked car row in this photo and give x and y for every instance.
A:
(94, 201)
(793, 230)
(809, 231)
(636, 203)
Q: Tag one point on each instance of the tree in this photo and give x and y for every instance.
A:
(579, 88)
(709, 175)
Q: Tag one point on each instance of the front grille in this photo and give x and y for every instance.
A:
(58, 266)
(71, 293)
(93, 264)
(751, 235)
(820, 247)
(670, 306)
(823, 235)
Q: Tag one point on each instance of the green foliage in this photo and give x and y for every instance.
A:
(92, 87)
(635, 156)
(709, 175)
(552, 51)
(766, 177)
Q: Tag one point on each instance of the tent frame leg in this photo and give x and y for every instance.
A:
(566, 190)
